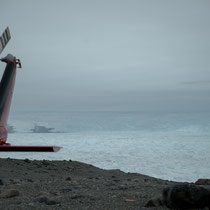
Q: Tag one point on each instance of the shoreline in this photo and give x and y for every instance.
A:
(46, 184)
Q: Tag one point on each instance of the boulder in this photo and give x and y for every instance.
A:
(203, 182)
(186, 196)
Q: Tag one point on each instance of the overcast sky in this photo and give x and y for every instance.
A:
(110, 55)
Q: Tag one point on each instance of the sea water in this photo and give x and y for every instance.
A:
(173, 146)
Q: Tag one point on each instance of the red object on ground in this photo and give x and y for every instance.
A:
(8, 148)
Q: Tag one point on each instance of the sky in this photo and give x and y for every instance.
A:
(145, 55)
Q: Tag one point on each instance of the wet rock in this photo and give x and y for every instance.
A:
(186, 196)
(203, 182)
(155, 202)
(10, 193)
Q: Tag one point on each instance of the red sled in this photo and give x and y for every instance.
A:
(6, 91)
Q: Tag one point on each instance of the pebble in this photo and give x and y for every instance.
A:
(122, 187)
(46, 200)
(31, 204)
(15, 181)
(10, 193)
(46, 163)
(52, 202)
(68, 179)
(155, 202)
(77, 196)
(41, 199)
(65, 190)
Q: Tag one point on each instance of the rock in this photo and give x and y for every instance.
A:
(52, 202)
(155, 202)
(68, 179)
(129, 200)
(27, 160)
(31, 204)
(203, 182)
(65, 190)
(43, 193)
(46, 200)
(15, 181)
(186, 196)
(122, 187)
(41, 199)
(77, 196)
(1, 182)
(45, 163)
(9, 193)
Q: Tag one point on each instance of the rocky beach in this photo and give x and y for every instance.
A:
(32, 184)
(72, 185)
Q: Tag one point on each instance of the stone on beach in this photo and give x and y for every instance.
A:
(47, 200)
(155, 202)
(186, 196)
(203, 182)
(10, 193)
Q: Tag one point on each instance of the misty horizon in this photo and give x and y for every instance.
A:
(113, 55)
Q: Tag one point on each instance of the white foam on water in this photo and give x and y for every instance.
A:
(178, 157)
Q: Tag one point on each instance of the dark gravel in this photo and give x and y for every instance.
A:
(73, 185)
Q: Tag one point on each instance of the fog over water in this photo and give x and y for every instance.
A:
(110, 55)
